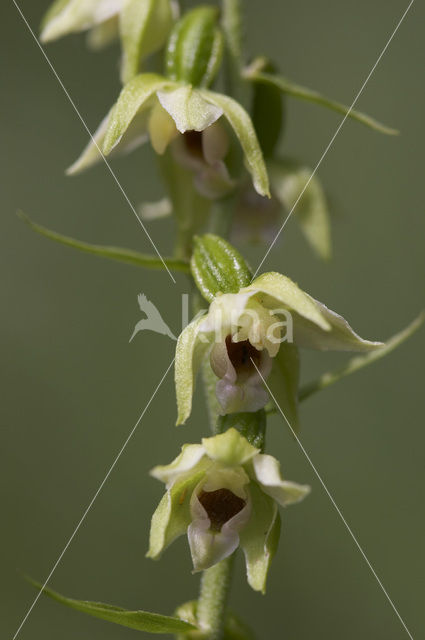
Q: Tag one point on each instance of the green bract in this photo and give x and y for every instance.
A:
(255, 333)
(195, 48)
(165, 110)
(217, 267)
(223, 493)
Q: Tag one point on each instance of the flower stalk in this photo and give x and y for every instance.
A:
(213, 596)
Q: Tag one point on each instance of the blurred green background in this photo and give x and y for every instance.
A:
(72, 386)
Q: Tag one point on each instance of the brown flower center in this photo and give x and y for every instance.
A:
(243, 355)
(193, 142)
(221, 505)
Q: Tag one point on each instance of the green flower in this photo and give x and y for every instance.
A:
(164, 110)
(142, 25)
(223, 493)
(253, 334)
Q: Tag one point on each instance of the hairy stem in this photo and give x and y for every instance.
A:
(212, 601)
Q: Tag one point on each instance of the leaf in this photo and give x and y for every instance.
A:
(139, 620)
(288, 179)
(357, 363)
(297, 91)
(217, 267)
(112, 253)
(241, 124)
(144, 28)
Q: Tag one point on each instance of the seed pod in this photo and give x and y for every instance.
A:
(195, 48)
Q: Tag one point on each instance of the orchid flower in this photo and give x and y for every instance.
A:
(223, 494)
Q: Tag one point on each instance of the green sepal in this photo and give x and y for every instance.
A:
(267, 114)
(133, 101)
(144, 28)
(254, 73)
(284, 380)
(259, 539)
(230, 448)
(358, 362)
(103, 34)
(217, 267)
(195, 48)
(172, 516)
(118, 254)
(241, 123)
(289, 179)
(190, 352)
(139, 620)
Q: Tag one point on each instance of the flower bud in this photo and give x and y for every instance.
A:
(195, 48)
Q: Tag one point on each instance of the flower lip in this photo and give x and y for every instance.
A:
(220, 505)
(193, 142)
(243, 355)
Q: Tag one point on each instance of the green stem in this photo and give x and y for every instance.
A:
(212, 601)
(232, 27)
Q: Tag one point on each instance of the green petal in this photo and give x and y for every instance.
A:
(139, 620)
(284, 380)
(267, 472)
(135, 98)
(172, 516)
(276, 289)
(297, 91)
(188, 108)
(71, 16)
(341, 336)
(103, 34)
(242, 125)
(229, 448)
(156, 210)
(190, 350)
(288, 179)
(357, 363)
(144, 28)
(260, 537)
(134, 136)
(189, 457)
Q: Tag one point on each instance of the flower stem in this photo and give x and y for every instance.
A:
(232, 26)
(212, 601)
